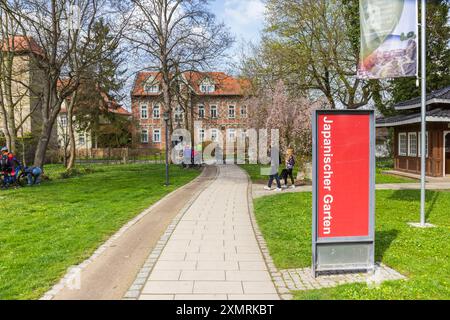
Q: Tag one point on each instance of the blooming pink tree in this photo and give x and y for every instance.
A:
(292, 116)
(276, 108)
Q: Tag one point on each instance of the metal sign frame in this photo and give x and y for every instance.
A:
(343, 253)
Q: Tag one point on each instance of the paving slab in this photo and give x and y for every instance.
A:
(213, 248)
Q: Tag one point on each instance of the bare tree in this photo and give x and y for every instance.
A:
(62, 30)
(16, 88)
(176, 36)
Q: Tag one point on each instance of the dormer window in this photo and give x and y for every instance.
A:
(207, 86)
(151, 88)
(151, 85)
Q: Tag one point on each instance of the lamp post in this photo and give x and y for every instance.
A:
(166, 117)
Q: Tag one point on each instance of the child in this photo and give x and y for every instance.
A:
(33, 175)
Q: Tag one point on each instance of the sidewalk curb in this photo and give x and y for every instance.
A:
(277, 277)
(74, 271)
(138, 285)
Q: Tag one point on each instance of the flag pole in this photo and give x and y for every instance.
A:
(424, 110)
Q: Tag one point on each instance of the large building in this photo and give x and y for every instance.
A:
(217, 101)
(25, 85)
(407, 133)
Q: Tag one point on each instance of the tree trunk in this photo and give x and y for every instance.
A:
(50, 111)
(192, 129)
(44, 139)
(70, 125)
(168, 108)
(12, 131)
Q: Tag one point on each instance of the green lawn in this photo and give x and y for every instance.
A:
(255, 174)
(46, 229)
(422, 255)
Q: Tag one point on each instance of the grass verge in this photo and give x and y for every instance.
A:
(421, 255)
(46, 229)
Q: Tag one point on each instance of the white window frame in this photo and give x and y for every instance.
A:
(412, 138)
(202, 114)
(81, 140)
(243, 111)
(144, 107)
(156, 136)
(400, 153)
(214, 107)
(244, 135)
(156, 112)
(419, 144)
(201, 135)
(144, 133)
(179, 114)
(207, 87)
(152, 88)
(231, 133)
(231, 112)
(64, 120)
(214, 135)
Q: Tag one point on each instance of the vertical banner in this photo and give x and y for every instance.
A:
(389, 39)
(344, 190)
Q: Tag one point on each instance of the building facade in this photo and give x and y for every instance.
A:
(26, 83)
(407, 134)
(217, 103)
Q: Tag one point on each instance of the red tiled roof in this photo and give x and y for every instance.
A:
(22, 44)
(225, 85)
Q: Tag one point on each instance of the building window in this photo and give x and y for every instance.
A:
(402, 144)
(207, 87)
(231, 134)
(244, 111)
(156, 112)
(152, 88)
(144, 112)
(201, 112)
(231, 112)
(63, 119)
(419, 139)
(214, 135)
(201, 135)
(157, 135)
(178, 114)
(412, 144)
(144, 136)
(244, 135)
(81, 140)
(214, 112)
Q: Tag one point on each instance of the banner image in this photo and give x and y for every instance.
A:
(389, 39)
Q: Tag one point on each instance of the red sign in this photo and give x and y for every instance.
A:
(343, 168)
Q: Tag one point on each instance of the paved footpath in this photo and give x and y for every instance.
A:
(213, 252)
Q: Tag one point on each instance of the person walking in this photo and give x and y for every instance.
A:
(289, 171)
(275, 161)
